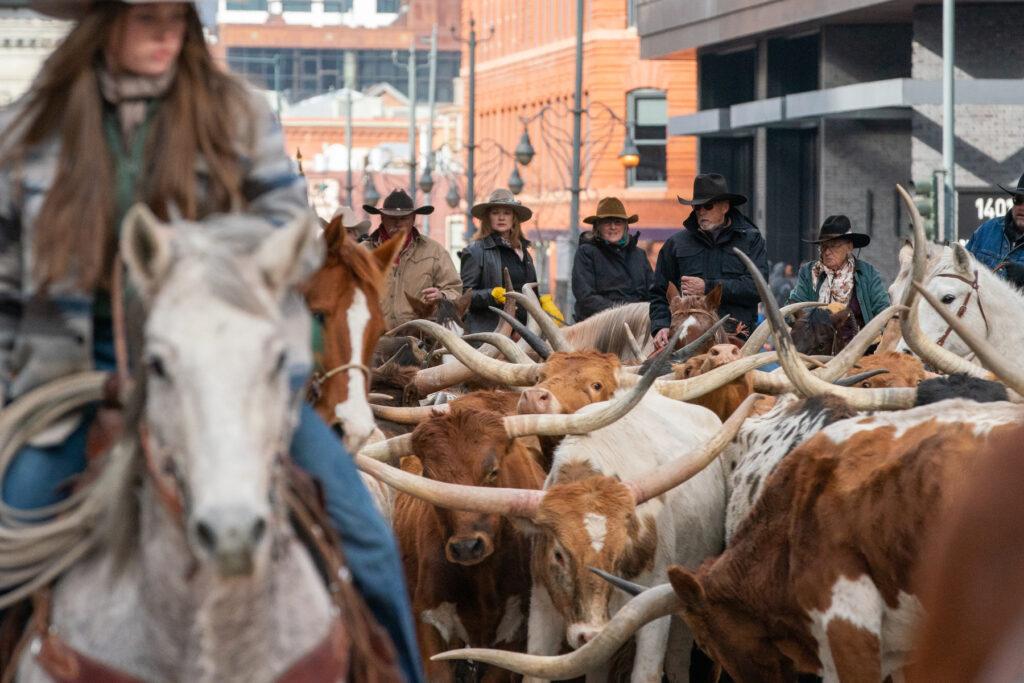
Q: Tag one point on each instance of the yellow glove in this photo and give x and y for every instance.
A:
(498, 294)
(548, 304)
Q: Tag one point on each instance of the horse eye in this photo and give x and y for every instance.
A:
(318, 316)
(948, 299)
(155, 366)
(282, 359)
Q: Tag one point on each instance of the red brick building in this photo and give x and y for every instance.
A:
(527, 67)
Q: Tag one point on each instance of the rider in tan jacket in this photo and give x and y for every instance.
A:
(423, 272)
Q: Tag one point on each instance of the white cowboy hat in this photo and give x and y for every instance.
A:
(76, 9)
(350, 221)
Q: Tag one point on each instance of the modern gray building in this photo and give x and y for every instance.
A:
(817, 107)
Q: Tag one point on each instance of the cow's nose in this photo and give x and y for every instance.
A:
(536, 400)
(467, 550)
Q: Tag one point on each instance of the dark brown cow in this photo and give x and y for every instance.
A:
(468, 573)
(724, 400)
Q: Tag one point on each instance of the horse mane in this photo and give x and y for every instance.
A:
(604, 331)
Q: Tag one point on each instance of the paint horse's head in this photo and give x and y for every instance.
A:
(345, 296)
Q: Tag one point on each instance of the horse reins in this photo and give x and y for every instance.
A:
(319, 379)
(975, 288)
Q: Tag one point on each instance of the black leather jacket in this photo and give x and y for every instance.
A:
(481, 271)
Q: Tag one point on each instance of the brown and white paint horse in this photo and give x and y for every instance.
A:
(344, 296)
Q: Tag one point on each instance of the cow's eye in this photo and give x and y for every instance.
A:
(559, 558)
(597, 386)
(866, 384)
(948, 299)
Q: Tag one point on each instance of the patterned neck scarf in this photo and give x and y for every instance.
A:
(838, 284)
(130, 93)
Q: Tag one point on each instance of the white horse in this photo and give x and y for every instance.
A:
(202, 578)
(984, 302)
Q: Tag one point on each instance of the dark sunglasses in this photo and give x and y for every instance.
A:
(706, 207)
(1018, 199)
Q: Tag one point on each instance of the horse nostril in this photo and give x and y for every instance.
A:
(258, 529)
(205, 535)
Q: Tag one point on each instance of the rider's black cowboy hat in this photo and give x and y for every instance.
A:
(836, 227)
(712, 187)
(398, 203)
(1015, 191)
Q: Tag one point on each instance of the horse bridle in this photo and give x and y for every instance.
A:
(975, 288)
(319, 379)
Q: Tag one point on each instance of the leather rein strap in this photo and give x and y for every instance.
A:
(975, 289)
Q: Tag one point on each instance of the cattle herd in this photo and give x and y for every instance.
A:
(567, 506)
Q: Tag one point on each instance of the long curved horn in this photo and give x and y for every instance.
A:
(928, 350)
(805, 381)
(586, 422)
(760, 335)
(503, 328)
(1010, 374)
(429, 380)
(652, 604)
(536, 343)
(627, 587)
(547, 325)
(501, 501)
(694, 387)
(853, 380)
(508, 348)
(634, 345)
(407, 415)
(672, 474)
(682, 355)
(390, 450)
(486, 367)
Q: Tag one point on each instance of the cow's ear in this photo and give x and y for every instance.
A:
(713, 299)
(962, 259)
(525, 526)
(412, 465)
(687, 588)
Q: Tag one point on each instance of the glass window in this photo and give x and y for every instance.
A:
(337, 5)
(648, 119)
(390, 6)
(630, 12)
(258, 5)
(297, 5)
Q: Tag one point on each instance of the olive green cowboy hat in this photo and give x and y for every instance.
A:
(502, 199)
(76, 9)
(610, 207)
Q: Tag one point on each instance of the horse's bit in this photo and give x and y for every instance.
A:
(974, 285)
(317, 383)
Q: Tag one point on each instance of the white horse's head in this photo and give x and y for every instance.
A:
(959, 281)
(222, 353)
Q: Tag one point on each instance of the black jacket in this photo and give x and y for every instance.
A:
(692, 252)
(606, 275)
(481, 271)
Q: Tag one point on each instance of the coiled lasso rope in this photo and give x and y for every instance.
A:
(37, 545)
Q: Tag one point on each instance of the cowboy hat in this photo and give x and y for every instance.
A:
(836, 227)
(610, 207)
(712, 187)
(502, 198)
(398, 203)
(1015, 191)
(76, 9)
(350, 221)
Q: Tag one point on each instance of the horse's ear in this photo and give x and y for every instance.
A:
(462, 303)
(146, 249)
(334, 234)
(385, 254)
(962, 259)
(289, 255)
(713, 299)
(906, 253)
(672, 292)
(422, 309)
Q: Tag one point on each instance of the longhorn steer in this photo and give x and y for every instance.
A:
(724, 400)
(467, 572)
(588, 518)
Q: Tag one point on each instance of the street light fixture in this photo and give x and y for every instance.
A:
(426, 181)
(452, 198)
(515, 181)
(629, 157)
(370, 194)
(524, 150)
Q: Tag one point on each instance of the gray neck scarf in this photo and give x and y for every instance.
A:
(129, 93)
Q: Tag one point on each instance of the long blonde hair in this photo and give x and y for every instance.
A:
(201, 115)
(515, 235)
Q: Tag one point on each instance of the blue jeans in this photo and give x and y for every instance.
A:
(35, 476)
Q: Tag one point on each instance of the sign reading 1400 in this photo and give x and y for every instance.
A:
(991, 207)
(974, 206)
